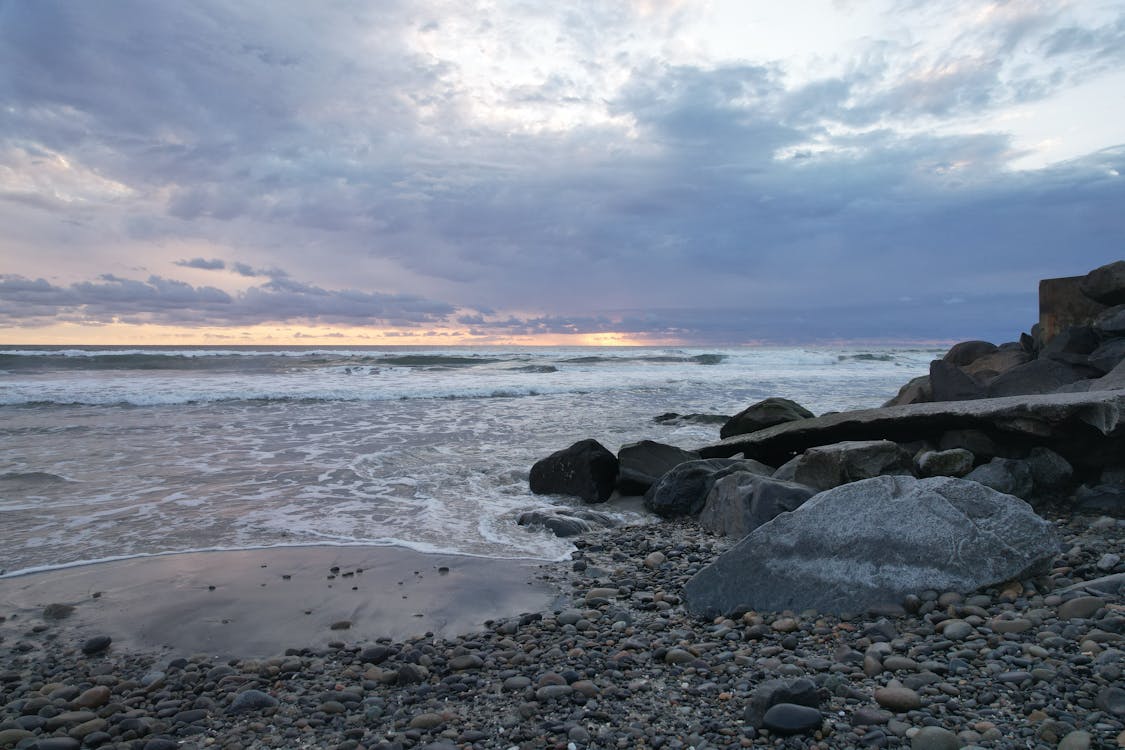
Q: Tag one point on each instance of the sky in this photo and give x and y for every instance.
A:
(661, 172)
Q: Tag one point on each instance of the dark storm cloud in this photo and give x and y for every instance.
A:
(725, 201)
(158, 300)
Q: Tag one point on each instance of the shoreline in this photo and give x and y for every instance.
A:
(258, 602)
(614, 660)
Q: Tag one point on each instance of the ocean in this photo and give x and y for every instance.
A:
(110, 453)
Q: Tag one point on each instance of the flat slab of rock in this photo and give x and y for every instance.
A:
(873, 542)
(1065, 422)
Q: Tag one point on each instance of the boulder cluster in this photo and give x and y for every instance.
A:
(941, 488)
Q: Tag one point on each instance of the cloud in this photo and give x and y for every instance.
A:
(215, 264)
(570, 168)
(30, 302)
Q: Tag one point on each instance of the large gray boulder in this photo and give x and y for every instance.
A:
(641, 464)
(873, 542)
(585, 469)
(828, 466)
(1085, 428)
(740, 502)
(1106, 284)
(764, 414)
(684, 489)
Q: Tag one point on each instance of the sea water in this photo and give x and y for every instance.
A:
(117, 452)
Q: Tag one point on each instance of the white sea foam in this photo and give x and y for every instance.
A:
(415, 447)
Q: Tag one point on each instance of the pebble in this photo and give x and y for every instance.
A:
(96, 645)
(898, 699)
(791, 718)
(1076, 740)
(1080, 607)
(934, 738)
(588, 675)
(251, 700)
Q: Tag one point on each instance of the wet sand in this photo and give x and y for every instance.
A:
(260, 602)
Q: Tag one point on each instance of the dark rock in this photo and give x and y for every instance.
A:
(741, 501)
(1111, 323)
(674, 418)
(1106, 284)
(1112, 701)
(955, 462)
(1072, 424)
(1109, 355)
(684, 490)
(873, 542)
(1114, 380)
(991, 365)
(791, 718)
(1008, 475)
(57, 611)
(976, 442)
(1038, 376)
(764, 414)
(1061, 304)
(916, 391)
(1072, 340)
(828, 466)
(1049, 470)
(375, 654)
(1100, 498)
(566, 522)
(641, 464)
(585, 469)
(948, 382)
(159, 743)
(968, 352)
(800, 692)
(251, 700)
(58, 743)
(96, 645)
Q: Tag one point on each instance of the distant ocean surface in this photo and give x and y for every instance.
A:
(108, 453)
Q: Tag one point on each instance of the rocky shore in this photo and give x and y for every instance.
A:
(781, 602)
(1031, 664)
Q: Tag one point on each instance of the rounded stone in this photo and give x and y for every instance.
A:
(1080, 607)
(95, 697)
(957, 630)
(251, 700)
(791, 718)
(898, 699)
(96, 645)
(678, 656)
(426, 721)
(1076, 740)
(934, 738)
(466, 662)
(518, 682)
